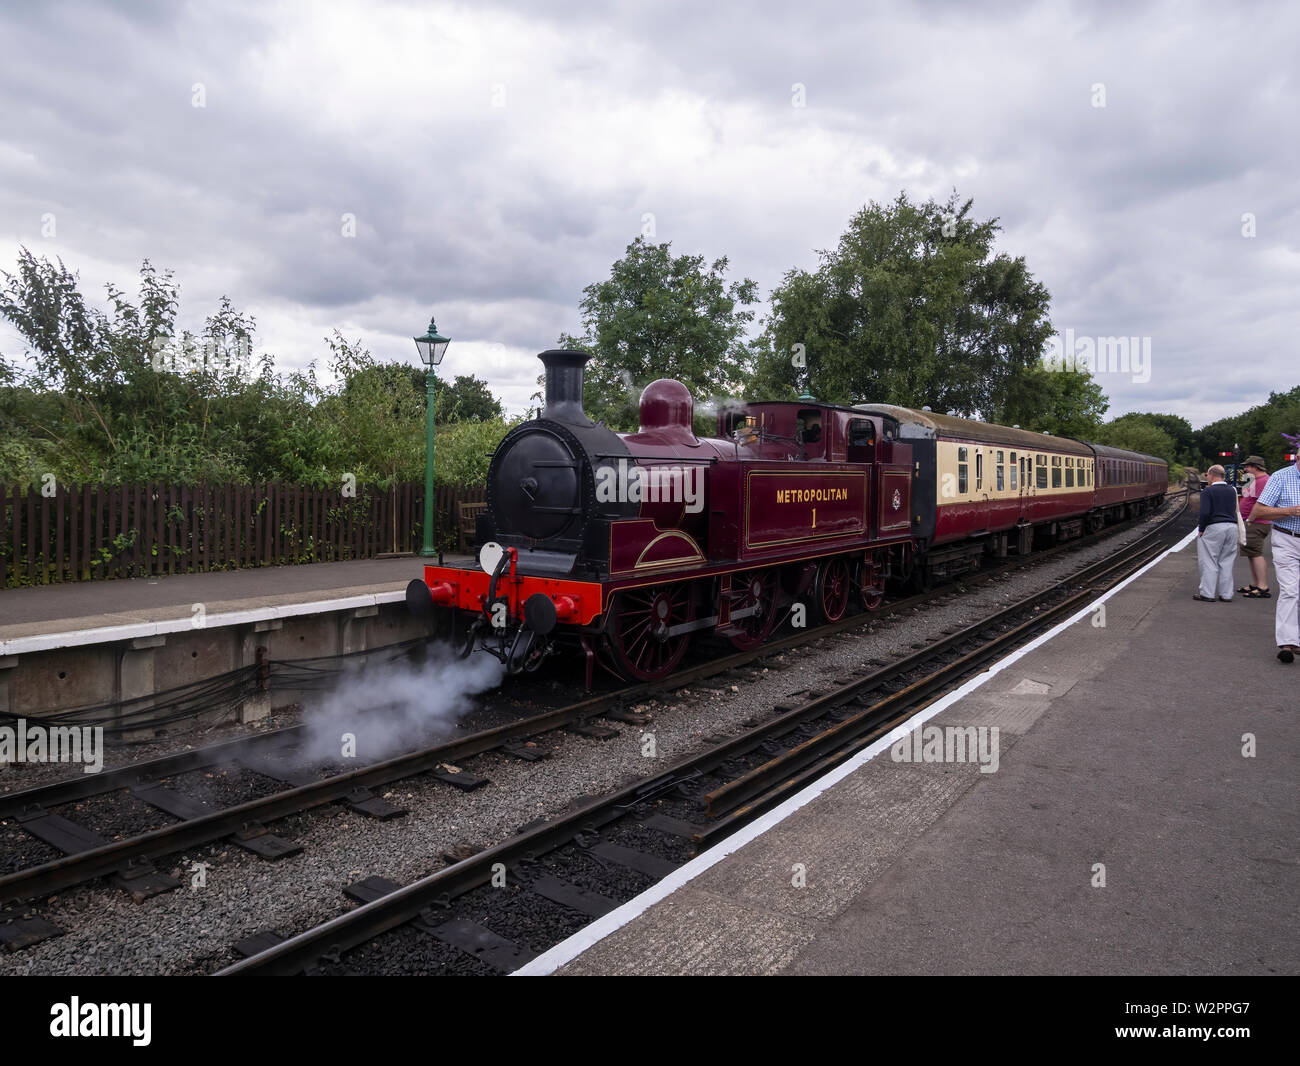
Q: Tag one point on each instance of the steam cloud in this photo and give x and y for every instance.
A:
(394, 707)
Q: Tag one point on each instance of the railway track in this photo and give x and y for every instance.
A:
(131, 861)
(693, 804)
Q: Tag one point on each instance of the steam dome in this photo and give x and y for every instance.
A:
(667, 409)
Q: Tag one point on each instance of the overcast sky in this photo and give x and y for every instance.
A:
(497, 158)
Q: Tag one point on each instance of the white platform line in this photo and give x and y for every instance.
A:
(74, 638)
(568, 950)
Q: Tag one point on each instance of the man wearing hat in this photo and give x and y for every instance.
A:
(1256, 531)
(1279, 504)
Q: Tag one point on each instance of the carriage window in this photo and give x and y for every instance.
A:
(961, 470)
(1002, 478)
(862, 433)
(1069, 473)
(1013, 472)
(1040, 471)
(979, 470)
(1056, 471)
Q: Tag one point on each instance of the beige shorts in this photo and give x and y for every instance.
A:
(1256, 534)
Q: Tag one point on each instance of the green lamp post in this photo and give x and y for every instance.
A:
(432, 347)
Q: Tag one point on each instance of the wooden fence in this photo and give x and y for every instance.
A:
(94, 531)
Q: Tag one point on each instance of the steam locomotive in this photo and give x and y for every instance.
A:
(626, 545)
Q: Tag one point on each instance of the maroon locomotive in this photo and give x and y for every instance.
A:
(629, 544)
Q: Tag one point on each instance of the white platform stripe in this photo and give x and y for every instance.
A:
(74, 638)
(566, 951)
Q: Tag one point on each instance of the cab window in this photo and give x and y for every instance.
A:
(739, 423)
(862, 433)
(810, 425)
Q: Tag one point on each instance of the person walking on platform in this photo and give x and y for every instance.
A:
(1256, 531)
(1279, 504)
(1216, 550)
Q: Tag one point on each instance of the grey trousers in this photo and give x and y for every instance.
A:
(1216, 551)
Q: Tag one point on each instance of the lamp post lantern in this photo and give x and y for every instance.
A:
(432, 347)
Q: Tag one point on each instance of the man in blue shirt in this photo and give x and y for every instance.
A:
(1279, 503)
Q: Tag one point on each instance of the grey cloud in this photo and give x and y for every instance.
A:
(1130, 214)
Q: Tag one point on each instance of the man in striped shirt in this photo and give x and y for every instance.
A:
(1279, 503)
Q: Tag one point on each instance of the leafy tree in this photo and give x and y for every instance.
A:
(1257, 430)
(912, 307)
(101, 395)
(1139, 434)
(1136, 425)
(1067, 403)
(466, 399)
(379, 412)
(1180, 432)
(658, 316)
(463, 450)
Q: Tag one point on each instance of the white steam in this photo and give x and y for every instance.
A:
(382, 709)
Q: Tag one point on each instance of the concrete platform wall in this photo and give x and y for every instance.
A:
(41, 682)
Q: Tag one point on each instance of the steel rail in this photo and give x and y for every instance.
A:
(70, 870)
(84, 786)
(369, 920)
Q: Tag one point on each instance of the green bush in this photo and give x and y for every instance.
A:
(463, 450)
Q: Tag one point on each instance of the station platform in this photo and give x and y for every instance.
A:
(1142, 819)
(46, 617)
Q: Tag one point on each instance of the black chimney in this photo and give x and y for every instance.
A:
(564, 386)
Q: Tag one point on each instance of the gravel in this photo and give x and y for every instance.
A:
(192, 930)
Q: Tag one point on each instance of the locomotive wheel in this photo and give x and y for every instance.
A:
(754, 588)
(638, 634)
(834, 586)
